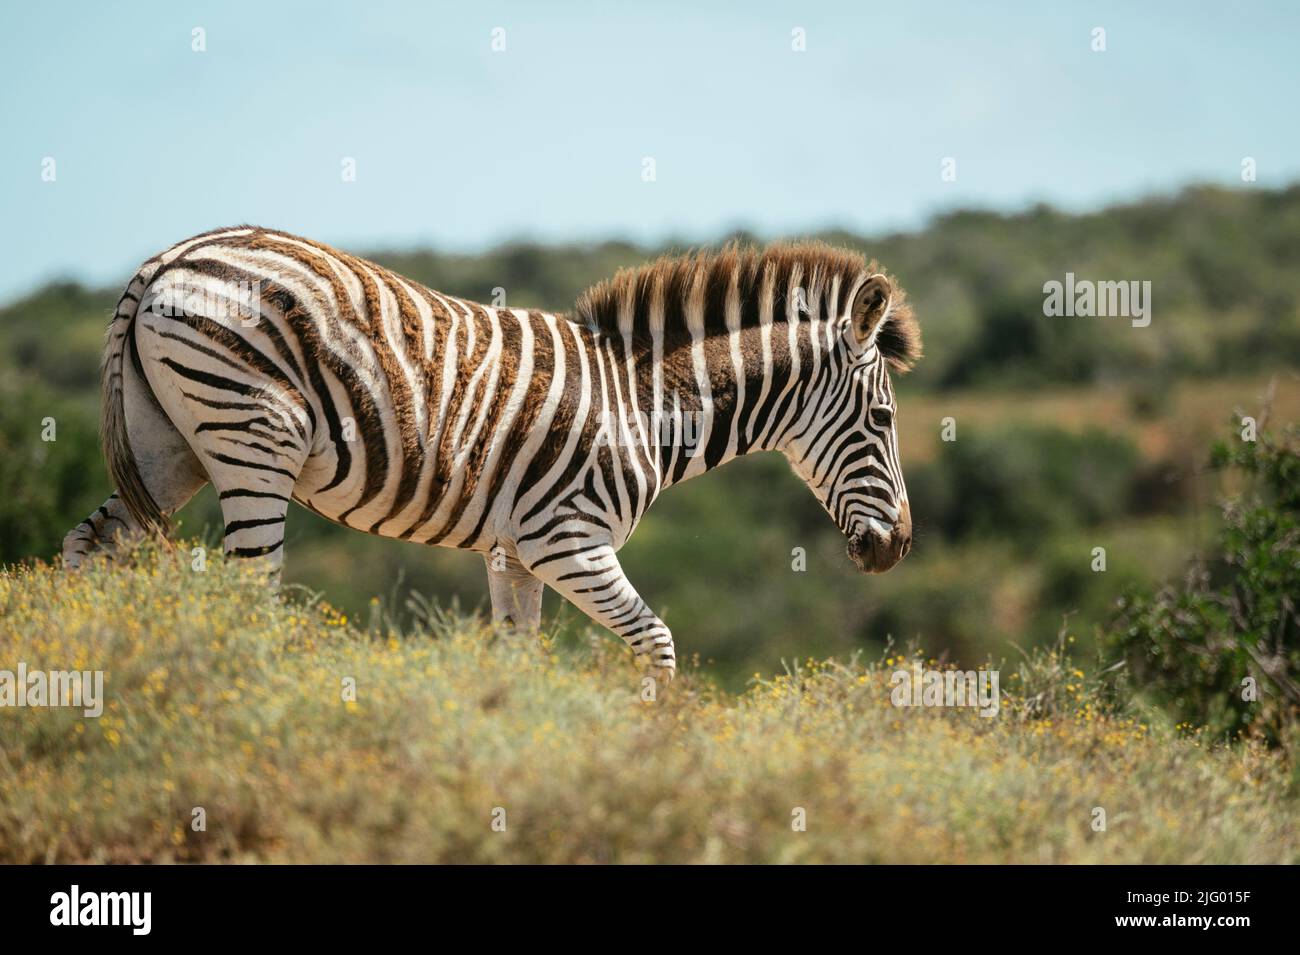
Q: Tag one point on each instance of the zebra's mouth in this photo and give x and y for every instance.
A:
(875, 553)
(855, 553)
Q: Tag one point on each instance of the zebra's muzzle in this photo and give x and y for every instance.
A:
(877, 550)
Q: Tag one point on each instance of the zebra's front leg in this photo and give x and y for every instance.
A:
(516, 594)
(591, 578)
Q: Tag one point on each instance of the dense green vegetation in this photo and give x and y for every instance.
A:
(1072, 434)
(1222, 651)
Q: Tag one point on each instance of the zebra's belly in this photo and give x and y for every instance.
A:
(413, 500)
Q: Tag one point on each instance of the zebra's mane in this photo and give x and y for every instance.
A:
(670, 282)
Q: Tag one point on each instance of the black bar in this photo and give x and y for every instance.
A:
(336, 904)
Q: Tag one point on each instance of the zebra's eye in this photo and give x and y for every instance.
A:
(882, 417)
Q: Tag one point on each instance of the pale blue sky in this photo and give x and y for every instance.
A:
(458, 147)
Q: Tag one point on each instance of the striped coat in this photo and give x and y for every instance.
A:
(281, 369)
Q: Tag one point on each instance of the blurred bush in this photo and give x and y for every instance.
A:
(43, 483)
(1022, 483)
(1235, 621)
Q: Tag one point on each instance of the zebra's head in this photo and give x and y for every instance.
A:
(846, 447)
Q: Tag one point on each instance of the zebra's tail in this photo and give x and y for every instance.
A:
(116, 443)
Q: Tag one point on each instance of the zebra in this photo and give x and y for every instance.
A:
(278, 368)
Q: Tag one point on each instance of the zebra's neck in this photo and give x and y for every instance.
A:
(685, 406)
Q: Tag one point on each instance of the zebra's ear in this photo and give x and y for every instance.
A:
(869, 306)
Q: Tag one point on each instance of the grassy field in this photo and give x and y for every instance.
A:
(464, 745)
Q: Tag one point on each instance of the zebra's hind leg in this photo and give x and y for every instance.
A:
(249, 435)
(593, 581)
(254, 473)
(168, 468)
(98, 532)
(254, 503)
(516, 594)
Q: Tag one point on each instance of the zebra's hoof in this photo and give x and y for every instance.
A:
(659, 666)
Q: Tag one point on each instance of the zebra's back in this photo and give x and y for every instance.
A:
(400, 410)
